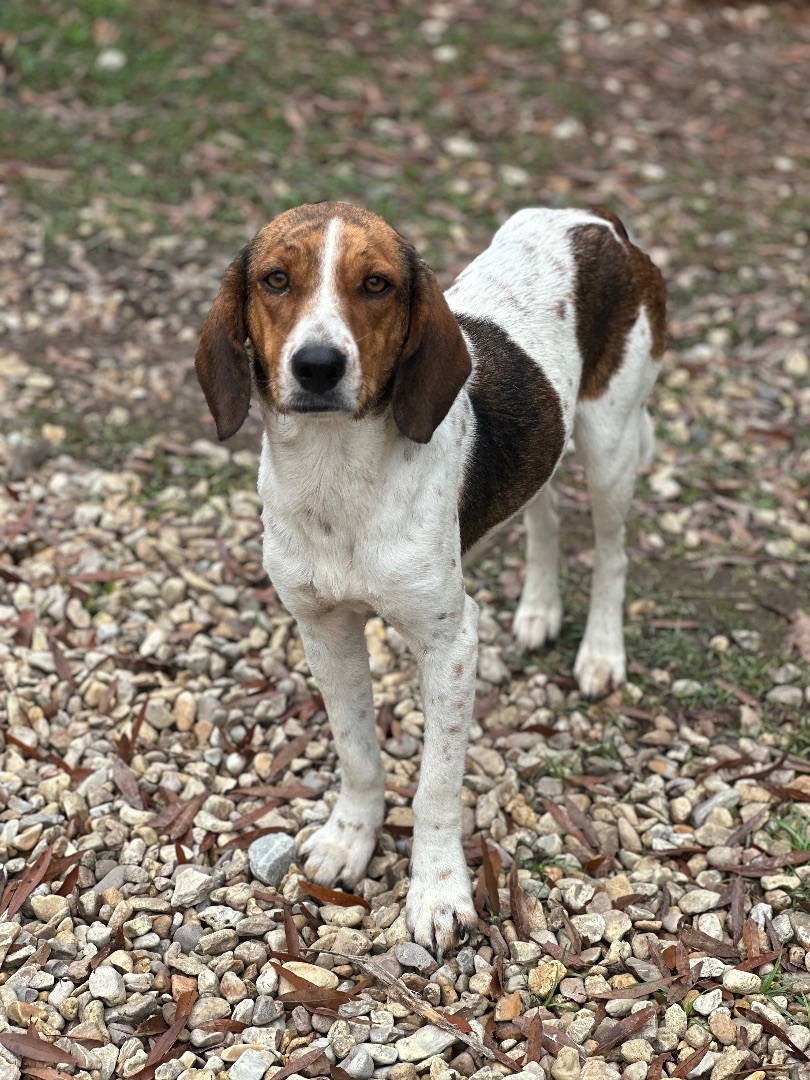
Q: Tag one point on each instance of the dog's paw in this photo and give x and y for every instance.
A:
(599, 671)
(439, 910)
(535, 625)
(339, 851)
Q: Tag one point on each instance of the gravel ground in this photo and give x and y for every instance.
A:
(164, 745)
(641, 866)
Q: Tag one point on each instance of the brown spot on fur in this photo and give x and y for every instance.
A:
(560, 309)
(444, 875)
(454, 730)
(614, 279)
(519, 431)
(458, 670)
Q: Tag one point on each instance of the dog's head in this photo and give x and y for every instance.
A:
(342, 315)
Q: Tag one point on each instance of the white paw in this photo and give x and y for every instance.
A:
(535, 625)
(340, 850)
(439, 908)
(599, 671)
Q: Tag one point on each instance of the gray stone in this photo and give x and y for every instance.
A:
(107, 985)
(188, 936)
(220, 917)
(697, 901)
(271, 857)
(359, 1064)
(424, 1043)
(727, 798)
(705, 1004)
(729, 1062)
(190, 887)
(411, 955)
(252, 1065)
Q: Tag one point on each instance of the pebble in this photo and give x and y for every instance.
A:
(697, 901)
(311, 972)
(741, 982)
(705, 1004)
(544, 978)
(424, 1043)
(251, 1065)
(271, 857)
(107, 985)
(190, 887)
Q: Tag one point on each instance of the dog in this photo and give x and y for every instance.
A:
(401, 425)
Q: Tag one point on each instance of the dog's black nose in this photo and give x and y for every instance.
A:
(319, 368)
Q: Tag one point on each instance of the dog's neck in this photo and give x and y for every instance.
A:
(324, 464)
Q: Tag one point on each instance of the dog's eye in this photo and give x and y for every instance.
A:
(277, 281)
(376, 284)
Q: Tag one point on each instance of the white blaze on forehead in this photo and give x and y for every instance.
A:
(324, 317)
(322, 321)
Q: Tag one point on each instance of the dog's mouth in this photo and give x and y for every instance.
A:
(311, 404)
(315, 407)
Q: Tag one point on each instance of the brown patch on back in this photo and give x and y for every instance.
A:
(613, 280)
(519, 431)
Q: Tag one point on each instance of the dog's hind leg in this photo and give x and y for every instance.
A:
(614, 438)
(539, 613)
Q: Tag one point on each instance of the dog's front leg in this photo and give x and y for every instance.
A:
(439, 898)
(336, 651)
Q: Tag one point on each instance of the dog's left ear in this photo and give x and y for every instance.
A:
(434, 363)
(222, 363)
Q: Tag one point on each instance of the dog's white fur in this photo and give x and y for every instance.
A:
(391, 545)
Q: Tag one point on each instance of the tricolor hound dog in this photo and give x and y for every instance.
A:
(400, 426)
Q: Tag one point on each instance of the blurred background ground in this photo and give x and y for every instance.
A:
(144, 142)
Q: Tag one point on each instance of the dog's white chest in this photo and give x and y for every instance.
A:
(355, 529)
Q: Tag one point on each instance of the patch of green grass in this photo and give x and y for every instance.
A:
(795, 829)
(218, 116)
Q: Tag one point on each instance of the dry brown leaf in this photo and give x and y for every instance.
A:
(619, 1032)
(331, 896)
(36, 1049)
(33, 876)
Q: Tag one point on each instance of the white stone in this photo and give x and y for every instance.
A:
(190, 887)
(424, 1043)
(742, 982)
(107, 985)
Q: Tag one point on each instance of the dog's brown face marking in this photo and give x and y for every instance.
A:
(370, 278)
(614, 279)
(333, 276)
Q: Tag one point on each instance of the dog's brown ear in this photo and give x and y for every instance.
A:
(434, 363)
(222, 363)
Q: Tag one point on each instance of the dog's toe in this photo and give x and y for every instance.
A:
(535, 625)
(598, 672)
(339, 851)
(440, 914)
